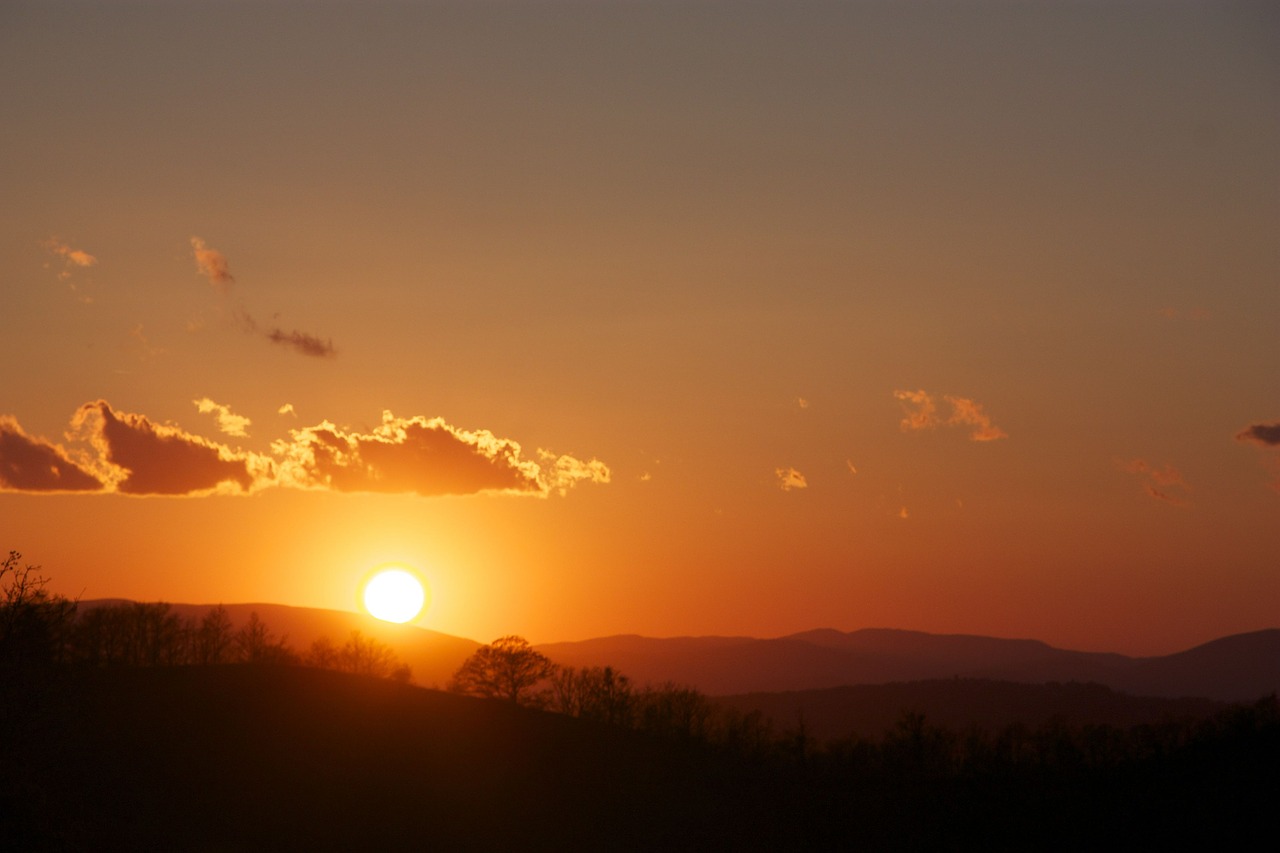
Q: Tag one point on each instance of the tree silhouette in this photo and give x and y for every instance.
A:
(255, 643)
(35, 625)
(214, 640)
(508, 668)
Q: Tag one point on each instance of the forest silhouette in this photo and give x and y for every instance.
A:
(128, 727)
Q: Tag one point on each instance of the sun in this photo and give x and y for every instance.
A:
(394, 595)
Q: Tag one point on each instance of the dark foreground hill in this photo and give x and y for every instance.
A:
(287, 758)
(869, 710)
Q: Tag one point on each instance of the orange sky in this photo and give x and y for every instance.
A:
(669, 318)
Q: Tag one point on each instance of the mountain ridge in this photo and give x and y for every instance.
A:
(1237, 667)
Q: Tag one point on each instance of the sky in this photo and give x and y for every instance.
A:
(610, 317)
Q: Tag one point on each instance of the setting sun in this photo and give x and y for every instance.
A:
(394, 595)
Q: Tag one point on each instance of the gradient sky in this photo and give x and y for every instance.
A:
(661, 318)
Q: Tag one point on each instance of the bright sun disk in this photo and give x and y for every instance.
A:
(394, 595)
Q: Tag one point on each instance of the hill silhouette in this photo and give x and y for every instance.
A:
(870, 710)
(246, 757)
(432, 656)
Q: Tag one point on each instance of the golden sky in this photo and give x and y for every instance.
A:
(659, 318)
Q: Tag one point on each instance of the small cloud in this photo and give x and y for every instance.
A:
(790, 478)
(646, 477)
(30, 464)
(1166, 477)
(849, 465)
(1267, 435)
(231, 424)
(286, 409)
(212, 264)
(966, 412)
(141, 346)
(922, 413)
(70, 257)
(302, 342)
(903, 514)
(920, 408)
(802, 403)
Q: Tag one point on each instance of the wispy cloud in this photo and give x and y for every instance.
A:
(1267, 435)
(71, 257)
(130, 454)
(968, 413)
(29, 464)
(228, 422)
(790, 478)
(286, 409)
(302, 342)
(921, 411)
(212, 264)
(1158, 481)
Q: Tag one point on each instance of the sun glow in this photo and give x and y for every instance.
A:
(394, 595)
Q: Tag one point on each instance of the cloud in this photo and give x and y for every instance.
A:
(802, 403)
(922, 413)
(1268, 435)
(1166, 477)
(966, 412)
(790, 478)
(138, 457)
(423, 456)
(302, 342)
(34, 465)
(130, 454)
(141, 346)
(925, 413)
(231, 424)
(286, 409)
(212, 264)
(71, 257)
(849, 464)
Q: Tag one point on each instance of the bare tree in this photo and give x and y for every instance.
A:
(593, 693)
(35, 625)
(366, 656)
(255, 643)
(214, 640)
(508, 668)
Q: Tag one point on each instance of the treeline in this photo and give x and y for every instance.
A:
(38, 628)
(509, 668)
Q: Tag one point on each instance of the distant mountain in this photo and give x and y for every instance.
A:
(433, 657)
(1239, 668)
(1242, 668)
